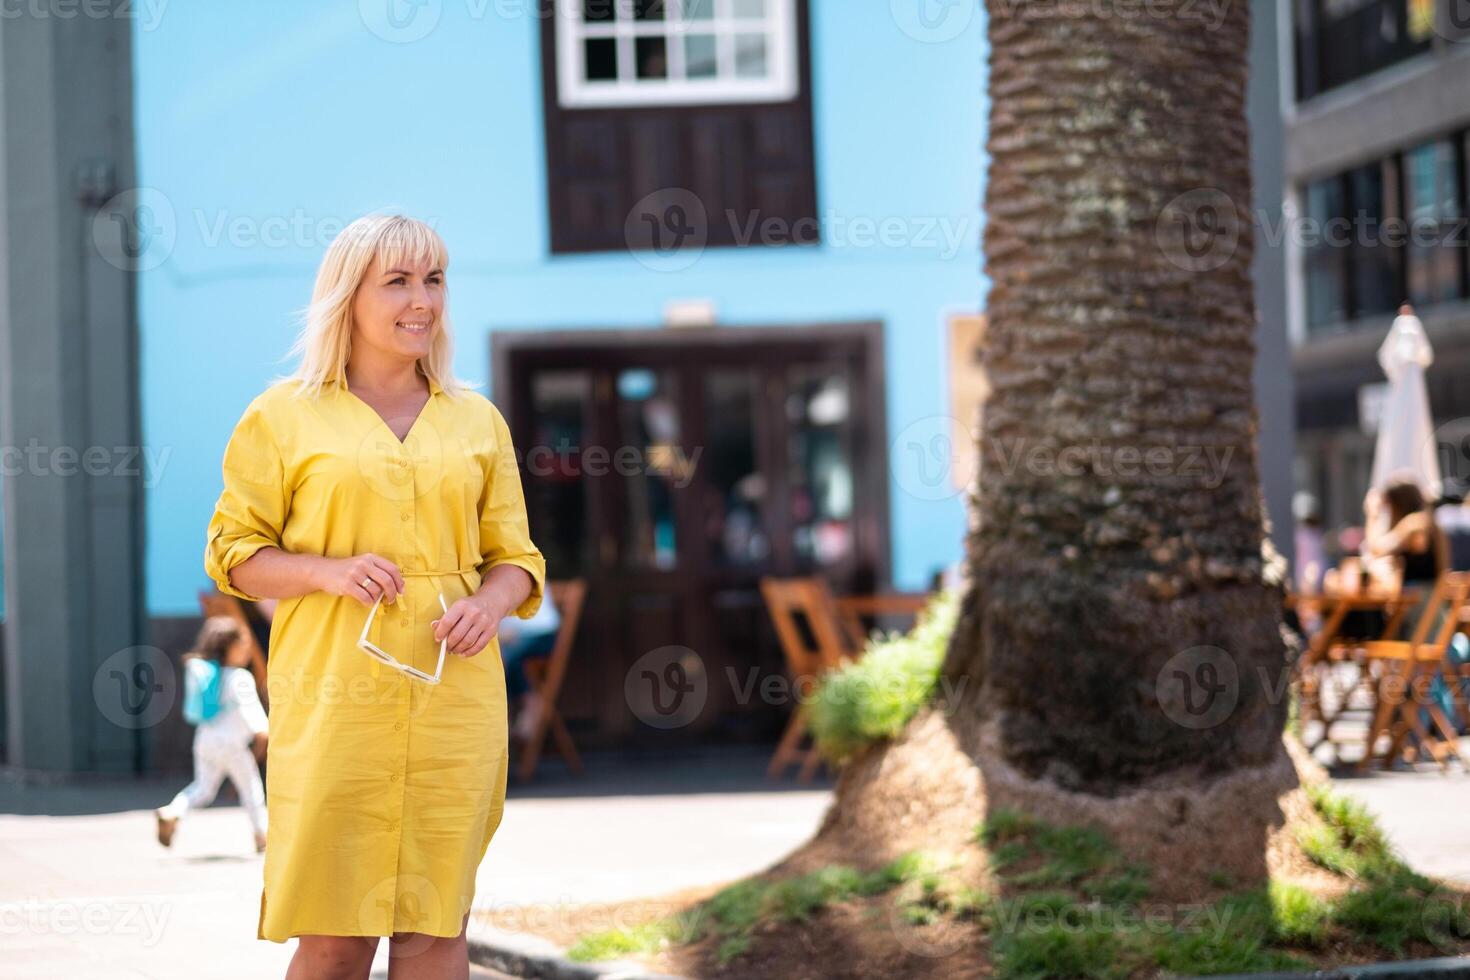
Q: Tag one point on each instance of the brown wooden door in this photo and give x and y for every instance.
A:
(673, 477)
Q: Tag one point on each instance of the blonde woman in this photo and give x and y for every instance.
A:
(379, 501)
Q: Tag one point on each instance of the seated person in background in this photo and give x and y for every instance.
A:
(521, 639)
(1423, 547)
(1412, 535)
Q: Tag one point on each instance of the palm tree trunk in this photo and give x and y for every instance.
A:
(1122, 614)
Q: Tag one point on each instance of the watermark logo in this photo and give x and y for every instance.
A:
(135, 687)
(136, 229)
(1445, 918)
(400, 21)
(407, 470)
(402, 904)
(667, 231)
(933, 21)
(1198, 688)
(926, 461)
(1453, 20)
(1199, 230)
(667, 687)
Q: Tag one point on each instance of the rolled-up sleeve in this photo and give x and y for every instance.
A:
(505, 535)
(251, 510)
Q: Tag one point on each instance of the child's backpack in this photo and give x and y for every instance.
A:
(201, 689)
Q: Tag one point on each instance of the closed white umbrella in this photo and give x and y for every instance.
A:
(1406, 428)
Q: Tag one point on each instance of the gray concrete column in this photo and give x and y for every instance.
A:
(1275, 398)
(69, 426)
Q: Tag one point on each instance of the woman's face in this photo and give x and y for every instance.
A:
(396, 310)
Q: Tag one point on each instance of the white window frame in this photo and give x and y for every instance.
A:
(574, 92)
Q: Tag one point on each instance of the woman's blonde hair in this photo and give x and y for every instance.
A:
(325, 341)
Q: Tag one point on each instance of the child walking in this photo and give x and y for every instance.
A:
(220, 699)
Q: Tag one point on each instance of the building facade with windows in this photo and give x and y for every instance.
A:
(717, 262)
(1377, 151)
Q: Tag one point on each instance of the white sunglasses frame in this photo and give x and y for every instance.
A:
(383, 656)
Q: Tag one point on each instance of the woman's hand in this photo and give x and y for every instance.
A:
(345, 577)
(469, 625)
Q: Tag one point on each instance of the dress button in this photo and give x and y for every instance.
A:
(393, 777)
(405, 517)
(398, 726)
(392, 826)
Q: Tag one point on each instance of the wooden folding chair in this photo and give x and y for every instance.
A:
(545, 675)
(215, 603)
(831, 645)
(1405, 663)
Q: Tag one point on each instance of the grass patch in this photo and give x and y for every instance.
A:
(1073, 905)
(734, 912)
(874, 697)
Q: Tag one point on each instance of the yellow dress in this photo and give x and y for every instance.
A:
(383, 792)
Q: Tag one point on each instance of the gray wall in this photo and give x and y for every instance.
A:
(68, 398)
(1275, 398)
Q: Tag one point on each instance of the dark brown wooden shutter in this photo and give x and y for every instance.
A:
(745, 163)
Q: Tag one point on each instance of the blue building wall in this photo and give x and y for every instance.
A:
(262, 129)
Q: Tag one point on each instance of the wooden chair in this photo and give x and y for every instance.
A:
(825, 646)
(835, 635)
(1405, 662)
(216, 603)
(545, 675)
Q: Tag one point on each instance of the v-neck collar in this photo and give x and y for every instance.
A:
(434, 389)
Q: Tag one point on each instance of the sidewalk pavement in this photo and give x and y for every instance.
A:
(86, 891)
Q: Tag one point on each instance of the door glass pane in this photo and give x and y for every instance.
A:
(820, 470)
(556, 498)
(648, 423)
(732, 515)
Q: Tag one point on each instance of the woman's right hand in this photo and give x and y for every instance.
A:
(346, 577)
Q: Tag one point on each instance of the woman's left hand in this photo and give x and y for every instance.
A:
(470, 624)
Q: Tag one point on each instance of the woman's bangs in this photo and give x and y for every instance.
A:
(408, 243)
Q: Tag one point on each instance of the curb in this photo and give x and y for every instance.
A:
(534, 958)
(1447, 968)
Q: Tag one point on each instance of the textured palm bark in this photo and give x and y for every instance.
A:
(1117, 519)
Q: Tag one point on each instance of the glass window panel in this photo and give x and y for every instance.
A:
(601, 59)
(750, 55)
(1358, 37)
(648, 9)
(1432, 206)
(556, 494)
(734, 521)
(1326, 270)
(700, 59)
(1374, 286)
(819, 463)
(699, 9)
(648, 420)
(651, 57)
(749, 8)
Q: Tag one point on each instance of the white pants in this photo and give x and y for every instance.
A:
(214, 759)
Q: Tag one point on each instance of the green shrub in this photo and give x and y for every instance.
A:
(874, 697)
